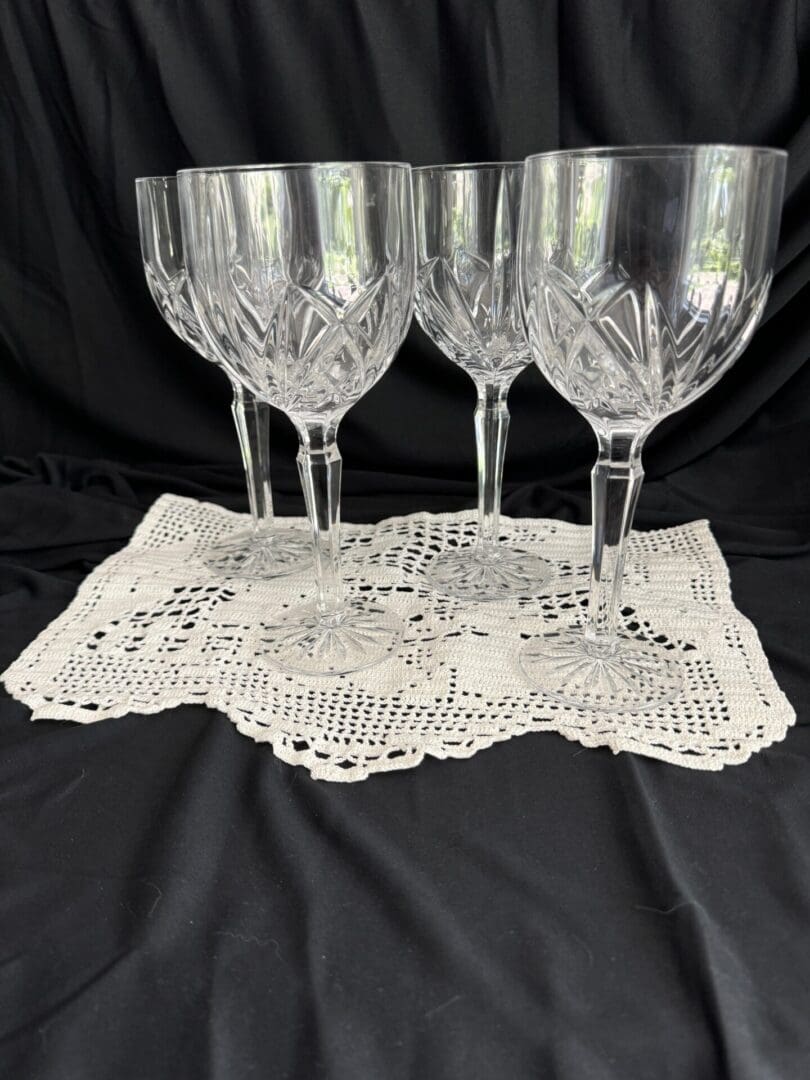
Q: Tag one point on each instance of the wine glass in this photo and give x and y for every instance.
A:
(467, 302)
(643, 273)
(304, 276)
(262, 551)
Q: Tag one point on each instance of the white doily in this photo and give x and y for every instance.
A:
(151, 629)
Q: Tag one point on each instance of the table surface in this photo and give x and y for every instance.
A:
(177, 903)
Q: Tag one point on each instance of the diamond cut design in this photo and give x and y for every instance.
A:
(468, 304)
(618, 353)
(313, 354)
(309, 334)
(471, 315)
(171, 295)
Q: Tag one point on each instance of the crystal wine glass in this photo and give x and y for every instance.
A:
(643, 273)
(262, 551)
(304, 277)
(467, 302)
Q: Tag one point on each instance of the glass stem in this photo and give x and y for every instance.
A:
(615, 484)
(252, 419)
(491, 427)
(320, 466)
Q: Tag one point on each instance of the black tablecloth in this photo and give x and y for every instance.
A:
(177, 903)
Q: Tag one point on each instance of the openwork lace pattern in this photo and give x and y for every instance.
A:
(151, 629)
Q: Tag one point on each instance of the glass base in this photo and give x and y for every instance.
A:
(267, 553)
(476, 573)
(358, 636)
(625, 676)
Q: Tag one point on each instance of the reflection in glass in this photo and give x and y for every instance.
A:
(303, 277)
(263, 551)
(643, 275)
(466, 301)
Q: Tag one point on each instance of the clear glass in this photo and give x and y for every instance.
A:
(304, 278)
(643, 272)
(467, 302)
(264, 550)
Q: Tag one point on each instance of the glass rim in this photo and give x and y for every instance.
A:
(154, 179)
(469, 166)
(652, 150)
(294, 166)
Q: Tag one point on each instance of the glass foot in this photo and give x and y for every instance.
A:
(626, 676)
(264, 554)
(473, 573)
(305, 642)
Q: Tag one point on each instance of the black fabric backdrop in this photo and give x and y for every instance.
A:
(175, 902)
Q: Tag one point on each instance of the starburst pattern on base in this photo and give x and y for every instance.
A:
(263, 554)
(473, 573)
(627, 676)
(308, 643)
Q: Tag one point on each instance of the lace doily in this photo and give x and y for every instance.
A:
(151, 629)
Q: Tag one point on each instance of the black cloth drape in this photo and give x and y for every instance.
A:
(96, 94)
(175, 902)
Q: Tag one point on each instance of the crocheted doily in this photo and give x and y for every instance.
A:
(151, 629)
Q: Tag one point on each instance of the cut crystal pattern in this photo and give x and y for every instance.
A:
(615, 353)
(310, 333)
(319, 356)
(462, 311)
(171, 295)
(467, 301)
